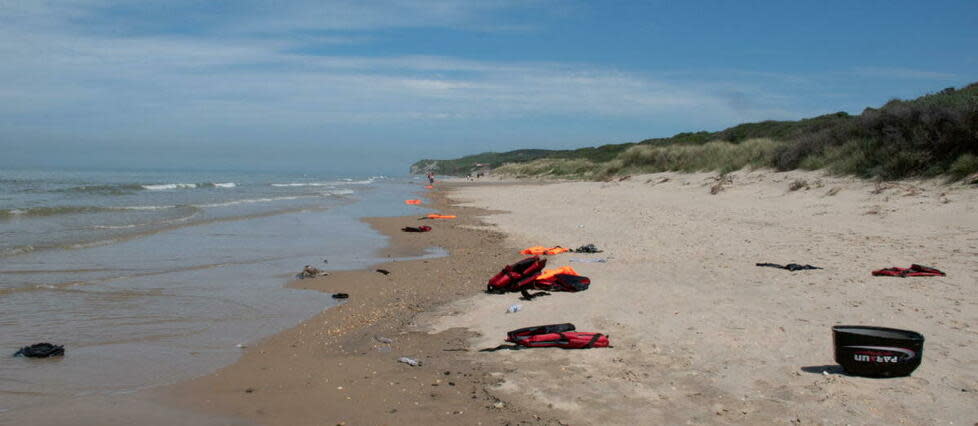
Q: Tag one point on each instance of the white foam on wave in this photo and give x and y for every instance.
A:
(251, 201)
(169, 186)
(343, 181)
(340, 192)
(280, 185)
(145, 207)
(130, 226)
(225, 185)
(16, 250)
(359, 182)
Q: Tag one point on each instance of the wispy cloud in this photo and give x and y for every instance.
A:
(903, 74)
(98, 67)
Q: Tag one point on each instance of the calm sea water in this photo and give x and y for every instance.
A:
(150, 278)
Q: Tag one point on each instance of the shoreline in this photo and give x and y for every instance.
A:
(335, 367)
(699, 333)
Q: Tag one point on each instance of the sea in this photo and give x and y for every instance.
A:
(153, 277)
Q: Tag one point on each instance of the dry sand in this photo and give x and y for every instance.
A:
(702, 335)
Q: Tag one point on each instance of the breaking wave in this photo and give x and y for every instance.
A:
(129, 188)
(345, 181)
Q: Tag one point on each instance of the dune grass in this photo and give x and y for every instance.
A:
(932, 135)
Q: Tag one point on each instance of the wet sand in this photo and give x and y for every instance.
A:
(337, 368)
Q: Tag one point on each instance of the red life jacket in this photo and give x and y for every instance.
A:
(913, 271)
(516, 276)
(422, 228)
(558, 336)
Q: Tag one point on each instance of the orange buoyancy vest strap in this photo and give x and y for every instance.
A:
(566, 270)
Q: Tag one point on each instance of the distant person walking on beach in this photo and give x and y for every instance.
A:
(431, 178)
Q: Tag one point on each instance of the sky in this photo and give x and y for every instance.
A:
(368, 87)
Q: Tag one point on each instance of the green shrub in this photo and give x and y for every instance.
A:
(964, 166)
(928, 136)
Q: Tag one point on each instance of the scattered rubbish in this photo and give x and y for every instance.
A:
(538, 250)
(341, 296)
(412, 202)
(423, 228)
(311, 272)
(589, 248)
(514, 308)
(409, 361)
(530, 296)
(41, 350)
(384, 271)
(877, 351)
(595, 260)
(241, 346)
(913, 271)
(791, 266)
(383, 339)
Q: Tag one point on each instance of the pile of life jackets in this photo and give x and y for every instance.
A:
(529, 274)
(556, 336)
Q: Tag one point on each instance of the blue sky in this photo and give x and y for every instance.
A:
(370, 86)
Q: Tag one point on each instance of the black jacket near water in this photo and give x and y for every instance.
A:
(41, 350)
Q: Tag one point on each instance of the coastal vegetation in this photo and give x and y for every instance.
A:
(933, 135)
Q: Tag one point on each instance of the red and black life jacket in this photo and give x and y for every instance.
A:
(422, 228)
(516, 276)
(913, 271)
(556, 336)
(563, 282)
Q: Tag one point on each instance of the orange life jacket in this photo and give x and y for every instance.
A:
(429, 187)
(538, 250)
(440, 216)
(414, 202)
(566, 270)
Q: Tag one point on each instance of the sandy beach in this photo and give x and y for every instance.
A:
(700, 334)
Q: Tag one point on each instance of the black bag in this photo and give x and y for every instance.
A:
(41, 350)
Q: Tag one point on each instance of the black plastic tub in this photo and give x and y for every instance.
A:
(877, 351)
